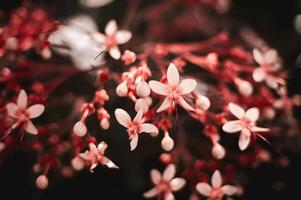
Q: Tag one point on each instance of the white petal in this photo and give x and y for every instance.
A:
(110, 164)
(271, 56)
(204, 189)
(141, 104)
(229, 189)
(100, 38)
(155, 176)
(177, 183)
(149, 128)
(102, 146)
(271, 82)
(252, 114)
(30, 128)
(134, 142)
(143, 89)
(236, 110)
(258, 56)
(115, 53)
(258, 74)
(165, 105)
(151, 193)
(173, 78)
(169, 172)
(159, 88)
(244, 139)
(182, 102)
(203, 102)
(123, 36)
(138, 116)
(232, 126)
(186, 86)
(122, 117)
(22, 100)
(35, 110)
(11, 109)
(216, 179)
(260, 129)
(169, 196)
(111, 27)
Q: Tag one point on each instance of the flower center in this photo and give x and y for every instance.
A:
(247, 123)
(163, 187)
(216, 194)
(22, 115)
(133, 128)
(111, 41)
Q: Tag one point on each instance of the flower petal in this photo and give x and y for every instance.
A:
(169, 172)
(204, 189)
(203, 102)
(123, 36)
(258, 56)
(134, 142)
(110, 164)
(229, 189)
(177, 183)
(115, 53)
(30, 128)
(22, 100)
(258, 74)
(11, 109)
(99, 37)
(165, 105)
(151, 193)
(182, 102)
(236, 110)
(244, 139)
(252, 114)
(232, 126)
(169, 196)
(186, 86)
(122, 117)
(159, 88)
(149, 128)
(35, 110)
(260, 129)
(138, 116)
(111, 27)
(216, 179)
(155, 176)
(173, 77)
(102, 146)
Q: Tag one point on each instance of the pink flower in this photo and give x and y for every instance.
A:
(246, 124)
(216, 191)
(112, 38)
(174, 90)
(135, 126)
(165, 184)
(96, 156)
(23, 114)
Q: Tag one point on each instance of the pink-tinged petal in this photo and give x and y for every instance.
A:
(22, 100)
(169, 196)
(260, 129)
(229, 189)
(182, 102)
(258, 56)
(149, 128)
(169, 172)
(115, 53)
(100, 38)
(173, 77)
(138, 116)
(122, 117)
(186, 86)
(252, 114)
(271, 56)
(134, 142)
(143, 89)
(204, 189)
(151, 193)
(271, 82)
(84, 155)
(244, 139)
(141, 104)
(216, 179)
(236, 110)
(30, 128)
(177, 184)
(203, 102)
(93, 166)
(35, 110)
(165, 105)
(155, 176)
(102, 147)
(232, 126)
(159, 88)
(11, 109)
(258, 74)
(123, 36)
(111, 27)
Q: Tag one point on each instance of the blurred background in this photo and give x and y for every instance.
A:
(274, 21)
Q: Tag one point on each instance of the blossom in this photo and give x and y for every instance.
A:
(95, 155)
(22, 114)
(246, 124)
(112, 38)
(174, 90)
(135, 126)
(216, 191)
(165, 184)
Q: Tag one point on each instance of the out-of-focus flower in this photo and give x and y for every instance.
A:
(165, 184)
(42, 182)
(128, 57)
(2, 146)
(174, 90)
(246, 124)
(135, 126)
(22, 114)
(95, 155)
(216, 191)
(112, 38)
(95, 3)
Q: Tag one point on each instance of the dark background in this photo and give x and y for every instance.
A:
(273, 21)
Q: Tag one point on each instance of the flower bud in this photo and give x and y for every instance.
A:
(77, 163)
(245, 88)
(105, 124)
(141, 104)
(122, 89)
(80, 129)
(42, 182)
(143, 89)
(167, 142)
(218, 151)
